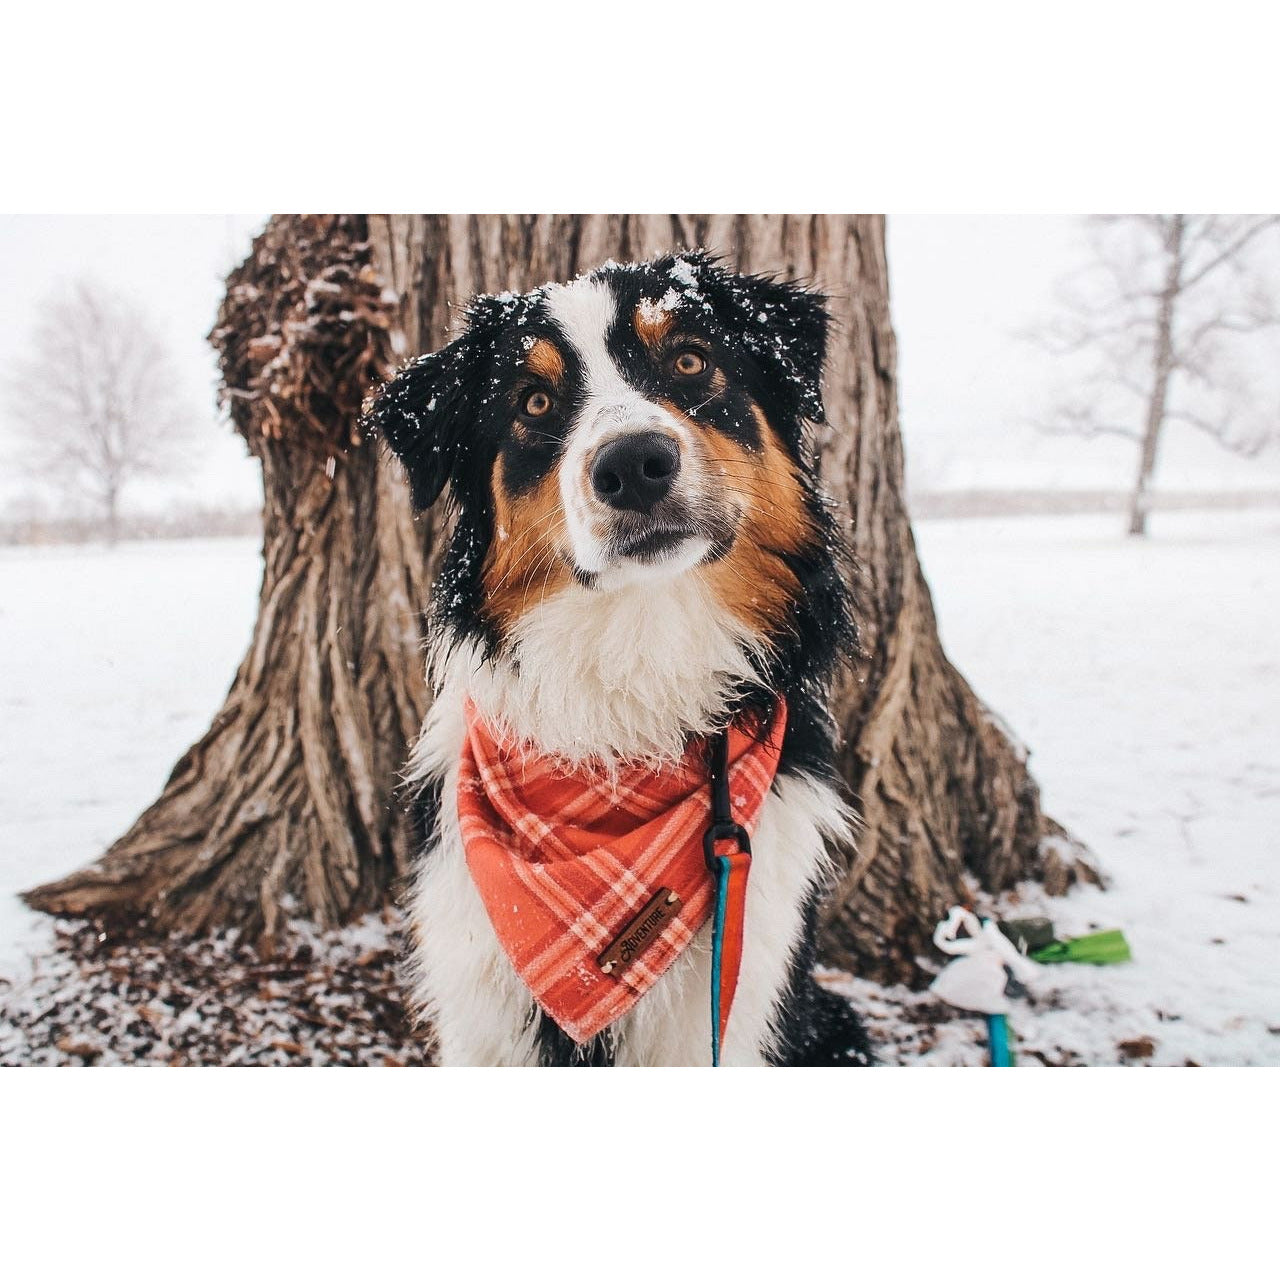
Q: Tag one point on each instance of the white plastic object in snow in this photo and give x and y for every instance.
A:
(976, 979)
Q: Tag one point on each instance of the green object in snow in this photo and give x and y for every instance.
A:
(1108, 947)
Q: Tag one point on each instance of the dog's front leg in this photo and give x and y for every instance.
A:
(482, 1014)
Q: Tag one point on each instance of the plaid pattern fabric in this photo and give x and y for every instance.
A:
(564, 860)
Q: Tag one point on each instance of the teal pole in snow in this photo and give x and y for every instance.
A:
(977, 976)
(998, 1039)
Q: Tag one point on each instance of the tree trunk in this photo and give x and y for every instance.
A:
(291, 791)
(111, 505)
(1162, 371)
(285, 806)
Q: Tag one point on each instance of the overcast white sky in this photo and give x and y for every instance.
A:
(172, 267)
(962, 287)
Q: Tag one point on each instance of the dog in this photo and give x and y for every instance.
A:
(640, 555)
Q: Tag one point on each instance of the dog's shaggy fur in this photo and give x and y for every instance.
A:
(640, 552)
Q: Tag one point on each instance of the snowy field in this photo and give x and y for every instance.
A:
(1145, 677)
(112, 663)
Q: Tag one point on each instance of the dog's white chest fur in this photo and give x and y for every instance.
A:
(588, 679)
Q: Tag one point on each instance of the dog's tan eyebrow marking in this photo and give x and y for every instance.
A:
(544, 360)
(652, 323)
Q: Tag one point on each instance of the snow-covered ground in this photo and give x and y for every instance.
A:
(111, 664)
(1144, 676)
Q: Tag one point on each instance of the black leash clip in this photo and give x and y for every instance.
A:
(718, 831)
(722, 825)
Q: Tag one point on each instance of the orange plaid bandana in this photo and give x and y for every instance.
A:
(595, 885)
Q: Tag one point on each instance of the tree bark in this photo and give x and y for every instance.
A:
(111, 502)
(291, 790)
(285, 806)
(1162, 371)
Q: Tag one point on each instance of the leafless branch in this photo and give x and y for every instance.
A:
(1228, 432)
(1069, 335)
(1231, 251)
(1081, 420)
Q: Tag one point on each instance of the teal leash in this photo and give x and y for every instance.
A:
(729, 871)
(717, 953)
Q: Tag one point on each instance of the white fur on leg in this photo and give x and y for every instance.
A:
(481, 1012)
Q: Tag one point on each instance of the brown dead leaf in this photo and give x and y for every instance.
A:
(1139, 1047)
(78, 1048)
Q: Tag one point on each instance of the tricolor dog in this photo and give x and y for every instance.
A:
(641, 567)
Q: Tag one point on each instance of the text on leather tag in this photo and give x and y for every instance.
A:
(640, 932)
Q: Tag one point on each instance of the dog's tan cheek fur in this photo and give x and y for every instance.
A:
(523, 566)
(753, 581)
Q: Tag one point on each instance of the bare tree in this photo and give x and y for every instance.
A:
(1158, 318)
(97, 401)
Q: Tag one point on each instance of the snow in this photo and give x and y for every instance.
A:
(1144, 676)
(652, 312)
(685, 273)
(112, 663)
(320, 999)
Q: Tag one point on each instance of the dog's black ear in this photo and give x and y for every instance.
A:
(785, 326)
(427, 412)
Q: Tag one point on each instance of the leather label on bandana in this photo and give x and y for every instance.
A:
(640, 932)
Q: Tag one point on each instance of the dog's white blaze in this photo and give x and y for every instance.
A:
(584, 311)
(483, 1014)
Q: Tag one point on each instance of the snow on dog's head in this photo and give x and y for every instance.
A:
(640, 425)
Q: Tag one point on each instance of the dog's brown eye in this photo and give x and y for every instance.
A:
(537, 404)
(688, 364)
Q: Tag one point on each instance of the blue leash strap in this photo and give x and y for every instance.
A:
(729, 870)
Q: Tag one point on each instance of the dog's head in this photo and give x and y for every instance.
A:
(644, 422)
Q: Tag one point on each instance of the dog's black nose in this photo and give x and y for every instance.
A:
(635, 472)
